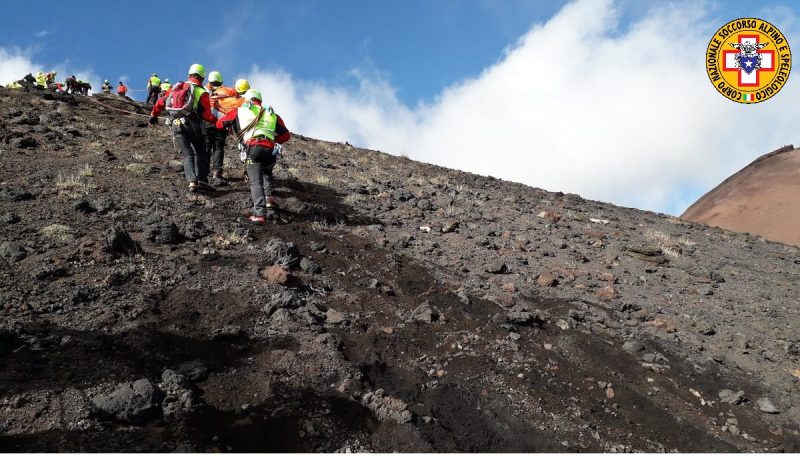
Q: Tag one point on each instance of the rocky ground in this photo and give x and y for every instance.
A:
(395, 306)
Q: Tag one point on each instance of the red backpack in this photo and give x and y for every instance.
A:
(180, 102)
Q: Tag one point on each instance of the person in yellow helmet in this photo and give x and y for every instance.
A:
(106, 87)
(153, 88)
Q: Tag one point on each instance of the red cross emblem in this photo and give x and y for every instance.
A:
(748, 64)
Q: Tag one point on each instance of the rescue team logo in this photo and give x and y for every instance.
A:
(748, 60)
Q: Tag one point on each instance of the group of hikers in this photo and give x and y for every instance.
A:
(71, 85)
(202, 117)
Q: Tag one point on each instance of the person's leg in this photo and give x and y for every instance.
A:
(185, 145)
(255, 173)
(202, 158)
(218, 157)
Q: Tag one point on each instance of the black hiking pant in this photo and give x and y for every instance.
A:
(191, 141)
(260, 163)
(153, 94)
(215, 147)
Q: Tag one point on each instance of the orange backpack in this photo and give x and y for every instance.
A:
(225, 100)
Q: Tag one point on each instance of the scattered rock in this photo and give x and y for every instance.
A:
(277, 251)
(497, 267)
(652, 255)
(309, 266)
(766, 406)
(547, 279)
(334, 317)
(83, 206)
(119, 241)
(549, 216)
(730, 397)
(25, 142)
(12, 251)
(9, 218)
(386, 407)
(130, 403)
(175, 165)
(424, 313)
(607, 293)
(195, 371)
(450, 227)
(162, 231)
(633, 346)
(278, 275)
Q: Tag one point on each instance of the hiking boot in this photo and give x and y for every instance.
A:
(205, 186)
(272, 202)
(193, 186)
(258, 219)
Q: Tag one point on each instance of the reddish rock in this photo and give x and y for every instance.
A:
(607, 293)
(276, 274)
(663, 324)
(550, 216)
(509, 287)
(547, 279)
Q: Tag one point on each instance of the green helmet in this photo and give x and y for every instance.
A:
(215, 76)
(166, 80)
(198, 70)
(155, 75)
(106, 81)
(253, 94)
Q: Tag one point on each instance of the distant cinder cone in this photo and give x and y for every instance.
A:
(763, 198)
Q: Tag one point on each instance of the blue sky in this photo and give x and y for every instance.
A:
(605, 98)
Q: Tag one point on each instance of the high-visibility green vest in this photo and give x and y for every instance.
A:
(265, 126)
(165, 86)
(41, 79)
(154, 81)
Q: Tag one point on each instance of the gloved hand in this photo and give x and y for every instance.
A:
(153, 120)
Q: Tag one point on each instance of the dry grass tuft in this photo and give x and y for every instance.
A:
(57, 232)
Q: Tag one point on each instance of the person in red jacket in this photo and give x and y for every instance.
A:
(122, 90)
(188, 131)
(261, 131)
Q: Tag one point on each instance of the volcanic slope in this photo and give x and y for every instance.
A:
(763, 198)
(396, 306)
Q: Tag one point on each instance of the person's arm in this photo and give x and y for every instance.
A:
(205, 109)
(160, 105)
(228, 122)
(282, 134)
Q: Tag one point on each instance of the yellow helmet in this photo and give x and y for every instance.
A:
(242, 86)
(215, 76)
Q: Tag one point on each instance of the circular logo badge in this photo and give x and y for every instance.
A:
(748, 60)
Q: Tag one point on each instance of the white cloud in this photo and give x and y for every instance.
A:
(579, 105)
(14, 65)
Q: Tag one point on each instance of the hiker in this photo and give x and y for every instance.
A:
(50, 79)
(241, 86)
(187, 105)
(106, 87)
(153, 88)
(72, 85)
(122, 89)
(41, 79)
(165, 86)
(85, 87)
(223, 101)
(261, 131)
